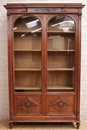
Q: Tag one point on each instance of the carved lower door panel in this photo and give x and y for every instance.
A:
(61, 105)
(27, 105)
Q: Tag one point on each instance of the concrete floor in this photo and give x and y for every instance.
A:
(40, 126)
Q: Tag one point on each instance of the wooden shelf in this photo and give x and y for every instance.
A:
(50, 50)
(39, 88)
(49, 69)
(27, 88)
(52, 31)
(61, 32)
(35, 50)
(60, 69)
(61, 50)
(27, 69)
(22, 31)
(26, 31)
(60, 88)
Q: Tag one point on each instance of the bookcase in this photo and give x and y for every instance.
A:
(44, 48)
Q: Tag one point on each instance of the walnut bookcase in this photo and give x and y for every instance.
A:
(44, 43)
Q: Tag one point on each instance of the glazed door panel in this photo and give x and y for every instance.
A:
(27, 54)
(61, 54)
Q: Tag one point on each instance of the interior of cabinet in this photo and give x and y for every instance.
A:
(30, 42)
(60, 80)
(25, 80)
(27, 70)
(27, 54)
(61, 42)
(21, 23)
(27, 60)
(61, 60)
(61, 54)
(59, 23)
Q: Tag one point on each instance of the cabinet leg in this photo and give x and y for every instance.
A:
(10, 125)
(78, 124)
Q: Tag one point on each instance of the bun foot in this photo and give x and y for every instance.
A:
(10, 125)
(78, 124)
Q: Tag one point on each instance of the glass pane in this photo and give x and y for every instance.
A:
(62, 24)
(44, 10)
(61, 54)
(27, 54)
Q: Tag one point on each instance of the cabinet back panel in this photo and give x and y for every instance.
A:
(27, 42)
(60, 78)
(64, 42)
(28, 79)
(58, 59)
(27, 59)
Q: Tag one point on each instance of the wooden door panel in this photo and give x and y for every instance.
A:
(27, 105)
(61, 105)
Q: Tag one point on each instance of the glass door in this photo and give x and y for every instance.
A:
(61, 54)
(27, 54)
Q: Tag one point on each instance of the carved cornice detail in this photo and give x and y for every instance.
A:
(75, 17)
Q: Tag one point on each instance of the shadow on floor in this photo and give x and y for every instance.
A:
(38, 126)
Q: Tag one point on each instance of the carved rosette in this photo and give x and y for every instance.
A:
(27, 104)
(60, 104)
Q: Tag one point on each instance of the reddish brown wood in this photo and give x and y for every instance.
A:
(45, 106)
(27, 105)
(61, 104)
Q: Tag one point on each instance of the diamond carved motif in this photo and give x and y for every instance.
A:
(27, 104)
(60, 104)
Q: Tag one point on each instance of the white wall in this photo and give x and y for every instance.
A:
(4, 102)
